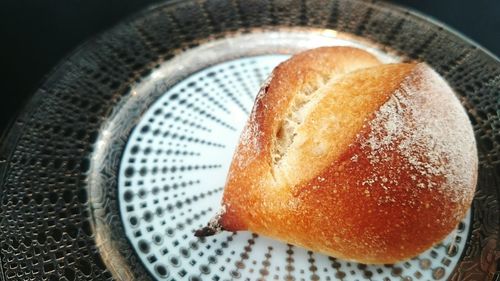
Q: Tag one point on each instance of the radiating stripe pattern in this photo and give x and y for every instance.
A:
(171, 179)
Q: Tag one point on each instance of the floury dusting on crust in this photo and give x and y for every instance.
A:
(250, 135)
(428, 137)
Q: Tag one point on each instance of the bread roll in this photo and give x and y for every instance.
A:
(349, 157)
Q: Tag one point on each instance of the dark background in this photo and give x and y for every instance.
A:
(35, 35)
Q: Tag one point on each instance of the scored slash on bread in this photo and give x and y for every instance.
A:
(353, 158)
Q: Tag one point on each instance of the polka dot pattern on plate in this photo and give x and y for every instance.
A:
(171, 181)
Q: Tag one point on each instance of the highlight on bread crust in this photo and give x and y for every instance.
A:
(353, 158)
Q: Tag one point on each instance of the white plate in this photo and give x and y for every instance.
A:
(175, 164)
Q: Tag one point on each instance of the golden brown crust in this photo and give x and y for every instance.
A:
(351, 158)
(303, 73)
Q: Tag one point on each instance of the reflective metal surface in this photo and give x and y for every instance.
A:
(59, 181)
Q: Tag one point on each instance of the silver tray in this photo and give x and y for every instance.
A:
(123, 151)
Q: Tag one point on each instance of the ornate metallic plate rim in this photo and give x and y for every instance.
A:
(490, 199)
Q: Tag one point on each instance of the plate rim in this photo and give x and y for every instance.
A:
(12, 133)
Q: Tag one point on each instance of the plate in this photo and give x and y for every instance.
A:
(124, 150)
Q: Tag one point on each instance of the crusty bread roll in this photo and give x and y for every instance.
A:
(356, 159)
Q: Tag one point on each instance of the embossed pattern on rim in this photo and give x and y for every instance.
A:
(50, 210)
